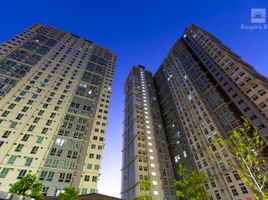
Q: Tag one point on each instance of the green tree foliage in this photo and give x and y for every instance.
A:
(70, 193)
(191, 185)
(143, 197)
(28, 186)
(246, 148)
(145, 190)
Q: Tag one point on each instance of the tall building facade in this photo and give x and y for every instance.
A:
(55, 89)
(200, 92)
(203, 90)
(145, 151)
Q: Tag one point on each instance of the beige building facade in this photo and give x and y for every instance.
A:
(55, 90)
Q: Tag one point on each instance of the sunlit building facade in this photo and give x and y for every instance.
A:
(55, 90)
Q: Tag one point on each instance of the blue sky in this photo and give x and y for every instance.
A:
(139, 32)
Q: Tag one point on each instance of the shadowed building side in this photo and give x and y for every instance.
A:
(145, 152)
(203, 90)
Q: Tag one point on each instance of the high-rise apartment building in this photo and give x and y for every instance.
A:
(55, 89)
(203, 90)
(145, 151)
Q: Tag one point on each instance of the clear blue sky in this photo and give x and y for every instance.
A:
(139, 32)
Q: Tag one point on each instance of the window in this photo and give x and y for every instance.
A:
(228, 178)
(56, 108)
(22, 174)
(213, 147)
(75, 154)
(69, 154)
(212, 183)
(34, 96)
(39, 139)
(50, 176)
(45, 190)
(34, 150)
(199, 165)
(25, 108)
(49, 122)
(61, 178)
(25, 137)
(45, 130)
(59, 152)
(31, 128)
(1, 143)
(205, 162)
(92, 191)
(30, 102)
(28, 161)
(243, 188)
(255, 97)
(39, 90)
(4, 172)
(87, 178)
(43, 175)
(6, 134)
(217, 194)
(96, 167)
(234, 191)
(262, 105)
(19, 147)
(5, 113)
(225, 153)
(60, 141)
(222, 166)
(19, 116)
(94, 178)
(13, 124)
(11, 106)
(261, 92)
(11, 159)
(237, 177)
(52, 115)
(18, 99)
(36, 120)
(84, 191)
(41, 112)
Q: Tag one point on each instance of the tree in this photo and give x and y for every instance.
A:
(70, 193)
(28, 186)
(145, 190)
(247, 150)
(191, 185)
